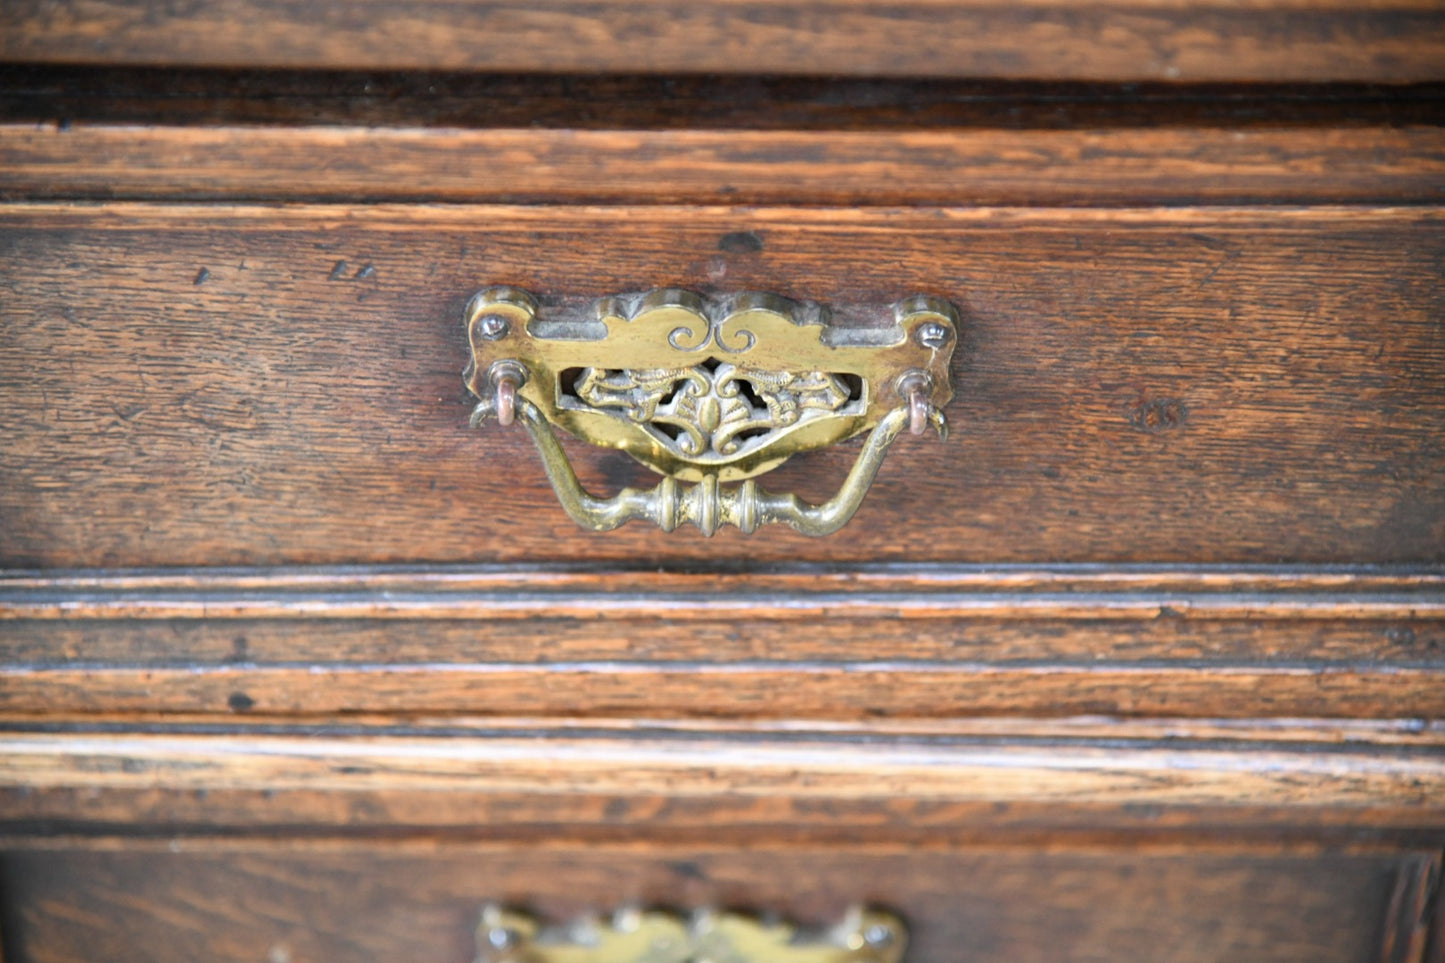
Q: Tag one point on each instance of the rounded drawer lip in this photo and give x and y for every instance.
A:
(1117, 166)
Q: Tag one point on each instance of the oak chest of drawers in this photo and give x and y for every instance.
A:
(303, 658)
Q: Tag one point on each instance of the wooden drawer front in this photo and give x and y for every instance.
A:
(249, 902)
(194, 385)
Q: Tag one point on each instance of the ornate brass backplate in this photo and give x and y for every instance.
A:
(708, 391)
(863, 936)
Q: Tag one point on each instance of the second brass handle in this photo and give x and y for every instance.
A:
(863, 935)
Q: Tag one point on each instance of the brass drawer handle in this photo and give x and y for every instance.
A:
(630, 936)
(708, 392)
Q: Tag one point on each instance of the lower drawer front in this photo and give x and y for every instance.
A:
(262, 902)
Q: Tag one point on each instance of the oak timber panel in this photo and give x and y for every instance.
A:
(473, 778)
(1266, 40)
(827, 643)
(1133, 166)
(257, 903)
(987, 614)
(217, 385)
(734, 634)
(767, 689)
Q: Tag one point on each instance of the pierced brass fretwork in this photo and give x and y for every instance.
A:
(708, 392)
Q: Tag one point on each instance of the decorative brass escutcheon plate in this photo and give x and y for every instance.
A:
(709, 391)
(630, 936)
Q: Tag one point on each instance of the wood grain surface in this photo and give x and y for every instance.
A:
(822, 642)
(211, 96)
(649, 780)
(1146, 662)
(214, 385)
(1409, 917)
(768, 688)
(1180, 165)
(1270, 40)
(379, 903)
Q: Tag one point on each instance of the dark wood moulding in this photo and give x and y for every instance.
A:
(70, 94)
(1124, 165)
(825, 643)
(1161, 40)
(652, 779)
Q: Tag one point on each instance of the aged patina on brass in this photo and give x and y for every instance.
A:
(709, 391)
(863, 936)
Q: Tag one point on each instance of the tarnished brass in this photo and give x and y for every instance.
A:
(708, 392)
(863, 936)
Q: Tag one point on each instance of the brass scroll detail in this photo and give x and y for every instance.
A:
(708, 392)
(630, 936)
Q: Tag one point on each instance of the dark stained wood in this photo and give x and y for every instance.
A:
(1363, 734)
(1293, 591)
(791, 593)
(430, 818)
(1022, 781)
(1146, 663)
(211, 97)
(833, 643)
(333, 777)
(766, 688)
(1130, 165)
(714, 617)
(981, 904)
(1435, 925)
(1410, 913)
(286, 410)
(1275, 40)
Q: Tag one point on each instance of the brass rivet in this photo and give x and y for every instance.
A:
(493, 327)
(931, 334)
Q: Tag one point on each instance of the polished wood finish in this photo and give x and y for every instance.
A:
(211, 96)
(768, 689)
(805, 642)
(966, 166)
(181, 902)
(1261, 40)
(1147, 662)
(474, 779)
(1183, 385)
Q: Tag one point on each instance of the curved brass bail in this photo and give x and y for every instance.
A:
(707, 504)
